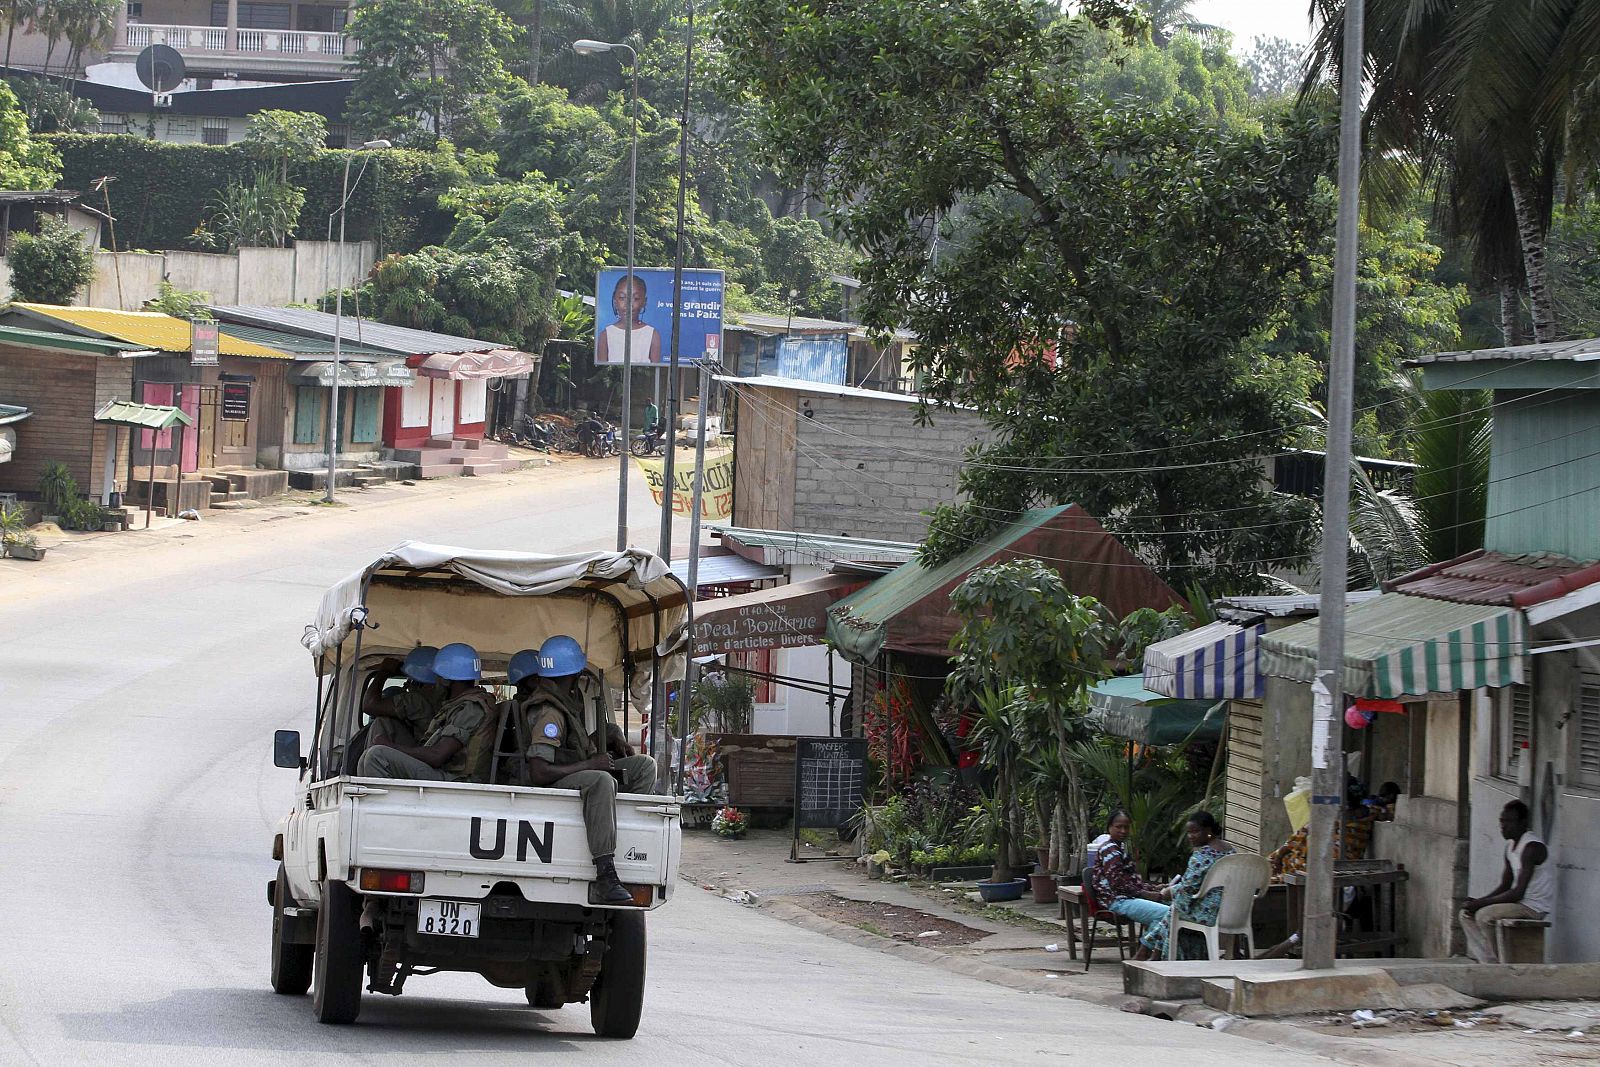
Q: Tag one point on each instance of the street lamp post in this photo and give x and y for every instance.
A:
(338, 313)
(592, 48)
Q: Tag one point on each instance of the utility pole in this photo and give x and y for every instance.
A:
(1320, 946)
(689, 671)
(658, 702)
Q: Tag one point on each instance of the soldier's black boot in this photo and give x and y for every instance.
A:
(607, 887)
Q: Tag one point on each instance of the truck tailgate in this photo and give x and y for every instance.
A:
(467, 837)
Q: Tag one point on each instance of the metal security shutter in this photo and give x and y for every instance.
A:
(1521, 726)
(1586, 744)
(1242, 815)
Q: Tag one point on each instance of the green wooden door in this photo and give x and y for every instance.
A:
(308, 417)
(364, 424)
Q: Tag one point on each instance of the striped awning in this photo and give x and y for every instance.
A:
(1214, 662)
(1398, 646)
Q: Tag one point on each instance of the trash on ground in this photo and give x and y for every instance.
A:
(1052, 948)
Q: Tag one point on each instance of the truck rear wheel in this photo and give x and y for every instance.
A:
(617, 999)
(339, 964)
(291, 962)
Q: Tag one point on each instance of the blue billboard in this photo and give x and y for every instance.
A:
(700, 327)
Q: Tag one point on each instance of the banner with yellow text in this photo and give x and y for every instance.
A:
(716, 498)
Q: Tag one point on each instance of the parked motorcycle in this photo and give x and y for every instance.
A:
(650, 443)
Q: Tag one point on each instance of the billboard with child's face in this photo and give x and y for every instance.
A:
(700, 328)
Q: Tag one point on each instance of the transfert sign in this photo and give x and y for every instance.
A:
(204, 339)
(700, 325)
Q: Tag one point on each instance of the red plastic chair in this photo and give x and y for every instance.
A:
(1094, 916)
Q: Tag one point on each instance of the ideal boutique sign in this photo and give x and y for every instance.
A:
(716, 499)
(767, 625)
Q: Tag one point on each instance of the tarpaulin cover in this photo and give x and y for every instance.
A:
(908, 609)
(501, 363)
(503, 602)
(1123, 707)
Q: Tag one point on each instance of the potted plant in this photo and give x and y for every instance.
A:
(730, 822)
(23, 545)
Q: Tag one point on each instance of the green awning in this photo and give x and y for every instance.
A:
(1397, 646)
(143, 416)
(1123, 707)
(908, 609)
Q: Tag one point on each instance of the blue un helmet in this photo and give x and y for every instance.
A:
(524, 664)
(457, 662)
(561, 657)
(418, 665)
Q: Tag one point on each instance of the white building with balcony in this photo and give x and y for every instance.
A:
(235, 41)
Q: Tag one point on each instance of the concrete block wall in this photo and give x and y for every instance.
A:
(864, 468)
(271, 276)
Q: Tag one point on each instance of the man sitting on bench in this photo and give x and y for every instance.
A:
(562, 752)
(1527, 887)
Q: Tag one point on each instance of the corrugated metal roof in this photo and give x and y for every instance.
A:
(1496, 578)
(786, 546)
(725, 570)
(146, 416)
(307, 347)
(13, 413)
(62, 342)
(151, 329)
(1283, 606)
(362, 331)
(771, 381)
(1576, 351)
(761, 322)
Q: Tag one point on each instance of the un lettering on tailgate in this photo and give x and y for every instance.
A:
(529, 839)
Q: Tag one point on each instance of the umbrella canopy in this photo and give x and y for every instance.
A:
(1123, 707)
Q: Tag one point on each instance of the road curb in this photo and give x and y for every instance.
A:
(1280, 1035)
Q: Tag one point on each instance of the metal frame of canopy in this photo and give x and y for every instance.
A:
(152, 417)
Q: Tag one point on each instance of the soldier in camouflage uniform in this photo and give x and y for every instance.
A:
(563, 753)
(402, 716)
(442, 755)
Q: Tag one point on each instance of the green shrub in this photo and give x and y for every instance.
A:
(57, 488)
(81, 514)
(50, 267)
(165, 191)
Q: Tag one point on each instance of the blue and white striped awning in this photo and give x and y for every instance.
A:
(1214, 662)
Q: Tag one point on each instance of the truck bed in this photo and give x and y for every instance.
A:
(468, 837)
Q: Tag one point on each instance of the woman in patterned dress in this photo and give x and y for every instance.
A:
(1116, 883)
(1205, 837)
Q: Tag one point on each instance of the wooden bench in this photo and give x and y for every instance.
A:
(1520, 940)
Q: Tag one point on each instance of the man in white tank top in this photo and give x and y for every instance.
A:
(1527, 887)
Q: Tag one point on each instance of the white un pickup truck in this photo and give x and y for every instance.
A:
(489, 877)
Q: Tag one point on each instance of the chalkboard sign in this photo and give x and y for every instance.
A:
(830, 777)
(236, 401)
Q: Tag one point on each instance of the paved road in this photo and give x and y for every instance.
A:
(139, 689)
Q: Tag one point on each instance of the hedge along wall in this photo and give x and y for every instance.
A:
(163, 191)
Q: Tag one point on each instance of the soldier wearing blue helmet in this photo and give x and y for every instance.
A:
(401, 715)
(563, 753)
(441, 755)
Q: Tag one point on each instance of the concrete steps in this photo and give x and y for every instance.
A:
(447, 458)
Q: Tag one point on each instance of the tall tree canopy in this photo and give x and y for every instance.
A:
(1004, 215)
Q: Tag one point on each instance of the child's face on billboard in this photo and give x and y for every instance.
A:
(619, 298)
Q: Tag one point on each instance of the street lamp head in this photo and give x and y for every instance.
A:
(371, 145)
(591, 48)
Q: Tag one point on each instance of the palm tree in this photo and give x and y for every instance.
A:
(16, 13)
(1482, 95)
(1168, 18)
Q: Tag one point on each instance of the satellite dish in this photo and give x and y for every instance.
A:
(160, 68)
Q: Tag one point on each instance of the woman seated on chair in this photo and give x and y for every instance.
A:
(1205, 837)
(1116, 884)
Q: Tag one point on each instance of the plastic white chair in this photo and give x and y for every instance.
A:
(1242, 880)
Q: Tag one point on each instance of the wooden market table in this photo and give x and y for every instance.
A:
(1384, 879)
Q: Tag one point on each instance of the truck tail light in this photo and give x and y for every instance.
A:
(378, 880)
(641, 894)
